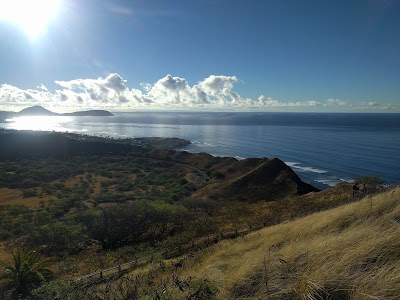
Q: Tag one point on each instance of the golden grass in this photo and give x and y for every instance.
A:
(15, 197)
(350, 252)
(4, 254)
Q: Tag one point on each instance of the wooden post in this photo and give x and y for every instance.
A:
(101, 274)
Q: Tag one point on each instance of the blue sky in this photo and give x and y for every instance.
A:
(204, 55)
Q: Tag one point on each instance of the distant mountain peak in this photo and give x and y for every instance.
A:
(36, 110)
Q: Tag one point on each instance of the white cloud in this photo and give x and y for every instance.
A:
(371, 104)
(269, 102)
(335, 102)
(42, 87)
(216, 92)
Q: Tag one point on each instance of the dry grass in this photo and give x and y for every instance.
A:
(4, 254)
(15, 197)
(350, 252)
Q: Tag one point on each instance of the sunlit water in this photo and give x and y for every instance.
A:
(39, 123)
(323, 149)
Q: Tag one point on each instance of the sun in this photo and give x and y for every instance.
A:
(31, 16)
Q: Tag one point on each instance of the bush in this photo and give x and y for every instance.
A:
(371, 180)
(59, 236)
(29, 193)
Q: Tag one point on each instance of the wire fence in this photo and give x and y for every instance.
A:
(200, 243)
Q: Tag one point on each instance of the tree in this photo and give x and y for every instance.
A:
(59, 236)
(371, 180)
(26, 272)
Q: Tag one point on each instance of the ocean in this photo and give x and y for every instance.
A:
(324, 149)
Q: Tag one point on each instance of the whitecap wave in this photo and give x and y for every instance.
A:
(200, 144)
(297, 166)
(239, 157)
(112, 134)
(330, 182)
(346, 180)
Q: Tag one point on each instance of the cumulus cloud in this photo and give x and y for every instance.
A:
(269, 102)
(216, 92)
(335, 102)
(42, 87)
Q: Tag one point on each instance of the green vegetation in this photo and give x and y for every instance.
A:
(350, 252)
(150, 202)
(90, 211)
(371, 180)
(24, 274)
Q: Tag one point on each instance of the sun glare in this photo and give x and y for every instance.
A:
(31, 16)
(38, 123)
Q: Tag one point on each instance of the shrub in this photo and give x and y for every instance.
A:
(29, 193)
(59, 236)
(372, 180)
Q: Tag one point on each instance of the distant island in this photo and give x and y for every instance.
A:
(41, 111)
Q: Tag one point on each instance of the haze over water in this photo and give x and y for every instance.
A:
(323, 149)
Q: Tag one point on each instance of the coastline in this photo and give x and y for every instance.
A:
(342, 150)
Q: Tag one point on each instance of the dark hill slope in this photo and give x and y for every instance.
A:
(202, 161)
(218, 178)
(256, 179)
(251, 179)
(27, 144)
(270, 180)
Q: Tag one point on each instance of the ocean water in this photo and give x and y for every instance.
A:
(323, 149)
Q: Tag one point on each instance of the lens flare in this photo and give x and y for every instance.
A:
(31, 16)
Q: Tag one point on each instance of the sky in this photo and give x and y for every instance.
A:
(205, 55)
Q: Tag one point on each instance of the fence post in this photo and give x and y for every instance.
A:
(101, 274)
(236, 232)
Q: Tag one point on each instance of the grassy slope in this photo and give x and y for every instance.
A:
(352, 252)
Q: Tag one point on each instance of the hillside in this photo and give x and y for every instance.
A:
(349, 252)
(94, 203)
(35, 111)
(38, 110)
(267, 179)
(18, 144)
(251, 179)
